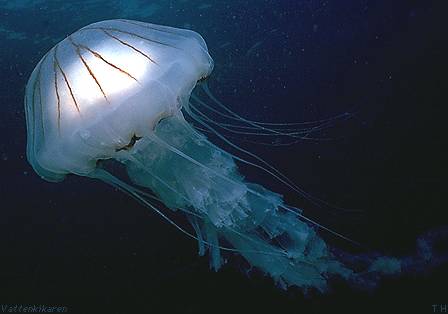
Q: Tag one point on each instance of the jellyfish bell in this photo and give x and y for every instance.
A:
(102, 85)
(118, 90)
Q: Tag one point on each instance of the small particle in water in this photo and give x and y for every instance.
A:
(225, 44)
(204, 6)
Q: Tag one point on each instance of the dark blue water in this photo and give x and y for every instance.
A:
(86, 246)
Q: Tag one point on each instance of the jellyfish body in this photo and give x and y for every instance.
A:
(101, 86)
(117, 90)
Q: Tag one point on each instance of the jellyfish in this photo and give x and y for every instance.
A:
(120, 91)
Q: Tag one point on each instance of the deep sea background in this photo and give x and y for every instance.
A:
(84, 245)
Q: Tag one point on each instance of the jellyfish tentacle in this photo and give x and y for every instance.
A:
(182, 196)
(196, 118)
(280, 176)
(135, 160)
(288, 132)
(237, 129)
(249, 217)
(108, 178)
(264, 131)
(234, 129)
(298, 212)
(131, 191)
(245, 140)
(236, 116)
(315, 200)
(274, 124)
(146, 170)
(183, 155)
(280, 132)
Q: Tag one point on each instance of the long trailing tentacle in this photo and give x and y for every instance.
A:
(152, 174)
(278, 129)
(272, 143)
(135, 193)
(286, 208)
(236, 117)
(271, 170)
(297, 135)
